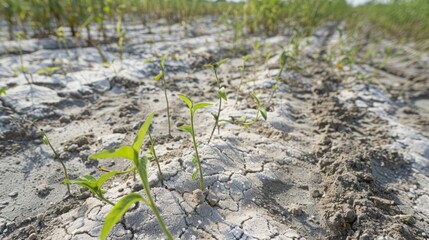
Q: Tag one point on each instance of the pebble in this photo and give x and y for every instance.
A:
(407, 219)
(33, 236)
(296, 211)
(212, 199)
(198, 196)
(13, 194)
(65, 119)
(316, 194)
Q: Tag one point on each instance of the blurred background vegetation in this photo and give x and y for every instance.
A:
(402, 20)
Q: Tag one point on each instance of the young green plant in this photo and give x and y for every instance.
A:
(46, 141)
(282, 61)
(242, 68)
(161, 75)
(94, 185)
(141, 164)
(260, 109)
(121, 33)
(221, 93)
(191, 130)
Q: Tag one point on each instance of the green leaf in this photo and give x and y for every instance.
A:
(185, 128)
(157, 77)
(246, 58)
(186, 100)
(222, 93)
(258, 102)
(3, 91)
(275, 86)
(162, 61)
(268, 56)
(242, 118)
(142, 168)
(152, 150)
(215, 116)
(246, 125)
(194, 174)
(194, 159)
(47, 70)
(45, 140)
(283, 58)
(103, 178)
(138, 141)
(201, 105)
(208, 65)
(263, 112)
(118, 211)
(221, 62)
(124, 152)
(147, 61)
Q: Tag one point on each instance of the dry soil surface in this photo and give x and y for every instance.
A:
(344, 153)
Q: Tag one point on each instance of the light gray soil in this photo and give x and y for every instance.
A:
(343, 154)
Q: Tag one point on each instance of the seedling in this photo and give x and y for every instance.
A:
(221, 93)
(191, 130)
(244, 60)
(121, 33)
(94, 185)
(46, 141)
(141, 164)
(260, 109)
(21, 69)
(161, 75)
(61, 40)
(282, 61)
(48, 71)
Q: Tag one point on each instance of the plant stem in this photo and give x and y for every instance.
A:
(219, 109)
(239, 86)
(277, 82)
(104, 199)
(164, 85)
(196, 153)
(57, 157)
(153, 206)
(152, 142)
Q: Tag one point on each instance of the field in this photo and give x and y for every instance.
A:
(187, 119)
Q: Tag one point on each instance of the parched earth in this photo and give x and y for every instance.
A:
(344, 153)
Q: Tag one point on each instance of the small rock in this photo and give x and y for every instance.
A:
(81, 140)
(350, 215)
(296, 211)
(10, 226)
(407, 219)
(119, 130)
(137, 186)
(316, 194)
(65, 156)
(2, 225)
(13, 194)
(43, 190)
(198, 196)
(72, 148)
(65, 119)
(212, 199)
(32, 236)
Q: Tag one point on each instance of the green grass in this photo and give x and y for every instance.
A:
(403, 20)
(400, 19)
